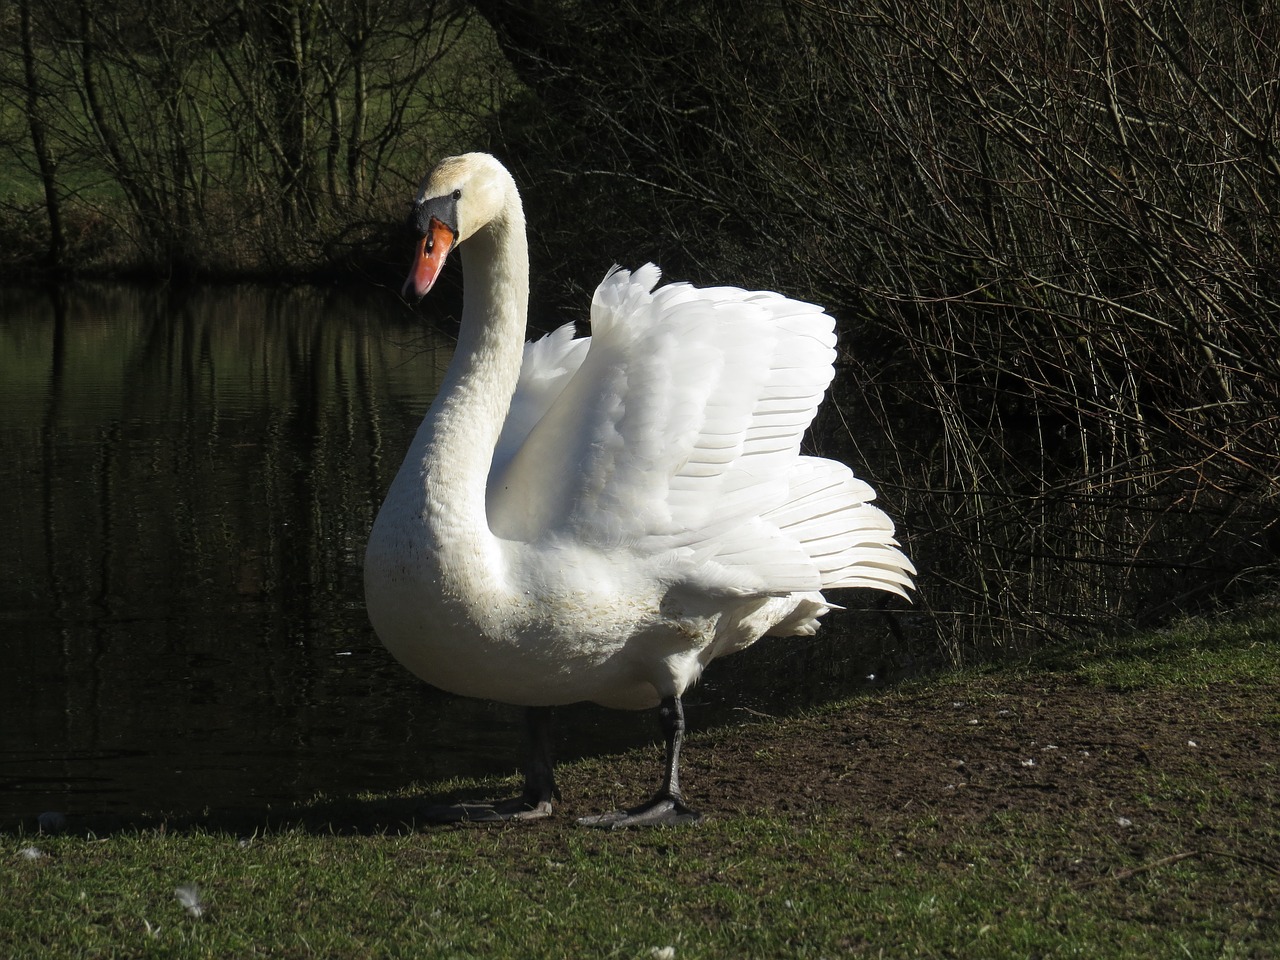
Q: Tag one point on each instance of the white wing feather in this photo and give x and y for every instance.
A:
(547, 366)
(675, 429)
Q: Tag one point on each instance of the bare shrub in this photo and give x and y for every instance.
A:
(1081, 266)
(1050, 232)
(228, 137)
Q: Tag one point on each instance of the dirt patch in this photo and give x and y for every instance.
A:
(1123, 777)
(1154, 769)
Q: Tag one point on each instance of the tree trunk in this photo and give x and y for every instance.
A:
(40, 144)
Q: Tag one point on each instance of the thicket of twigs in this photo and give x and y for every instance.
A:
(1049, 231)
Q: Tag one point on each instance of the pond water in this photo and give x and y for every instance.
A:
(187, 479)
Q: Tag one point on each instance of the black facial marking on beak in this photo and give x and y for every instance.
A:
(442, 209)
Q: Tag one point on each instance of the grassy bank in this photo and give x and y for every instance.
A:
(1114, 800)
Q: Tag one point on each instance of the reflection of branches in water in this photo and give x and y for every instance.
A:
(185, 494)
(215, 448)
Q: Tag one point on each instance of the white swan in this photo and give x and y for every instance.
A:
(599, 518)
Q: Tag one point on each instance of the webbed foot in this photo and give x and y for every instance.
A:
(661, 811)
(667, 808)
(517, 808)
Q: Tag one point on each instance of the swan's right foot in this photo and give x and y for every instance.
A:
(661, 811)
(667, 808)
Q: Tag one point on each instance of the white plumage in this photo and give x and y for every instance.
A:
(598, 518)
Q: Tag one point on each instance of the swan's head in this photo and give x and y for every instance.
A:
(456, 200)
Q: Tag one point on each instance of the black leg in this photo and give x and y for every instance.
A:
(539, 769)
(539, 783)
(667, 808)
(671, 716)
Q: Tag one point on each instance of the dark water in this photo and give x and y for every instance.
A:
(187, 478)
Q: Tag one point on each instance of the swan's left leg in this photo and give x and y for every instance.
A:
(667, 808)
(540, 787)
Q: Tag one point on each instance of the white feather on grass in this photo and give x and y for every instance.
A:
(188, 895)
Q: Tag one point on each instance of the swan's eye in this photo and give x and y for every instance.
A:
(457, 194)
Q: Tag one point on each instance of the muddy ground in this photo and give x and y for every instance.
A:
(1124, 781)
(1040, 745)
(1127, 779)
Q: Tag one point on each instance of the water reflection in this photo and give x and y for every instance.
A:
(187, 481)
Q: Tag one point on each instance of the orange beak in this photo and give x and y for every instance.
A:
(429, 261)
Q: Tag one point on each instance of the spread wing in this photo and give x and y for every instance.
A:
(675, 428)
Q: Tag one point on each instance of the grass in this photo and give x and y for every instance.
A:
(1195, 653)
(512, 893)
(1172, 857)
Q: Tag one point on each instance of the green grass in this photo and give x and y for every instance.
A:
(1194, 653)
(1199, 879)
(517, 892)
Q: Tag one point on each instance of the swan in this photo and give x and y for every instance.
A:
(599, 518)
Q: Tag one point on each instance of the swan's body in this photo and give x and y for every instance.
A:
(599, 518)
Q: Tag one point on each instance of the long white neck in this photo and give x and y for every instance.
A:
(455, 445)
